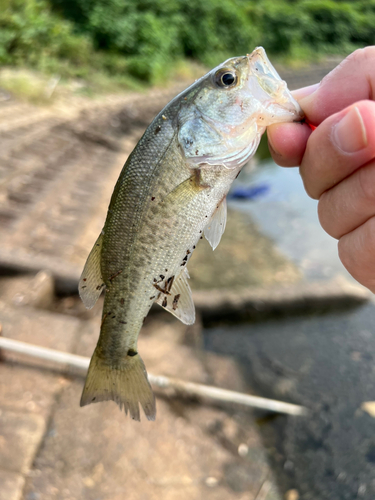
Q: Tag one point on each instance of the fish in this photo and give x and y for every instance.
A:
(171, 191)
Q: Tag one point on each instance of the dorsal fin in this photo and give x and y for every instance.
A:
(215, 228)
(179, 301)
(91, 283)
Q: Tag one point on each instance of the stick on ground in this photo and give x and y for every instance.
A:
(180, 386)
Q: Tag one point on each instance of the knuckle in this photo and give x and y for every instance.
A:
(365, 178)
(308, 184)
(345, 254)
(355, 252)
(327, 221)
(356, 58)
(359, 55)
(369, 236)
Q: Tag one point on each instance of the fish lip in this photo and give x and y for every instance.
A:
(285, 101)
(291, 107)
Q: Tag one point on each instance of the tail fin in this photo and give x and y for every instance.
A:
(126, 384)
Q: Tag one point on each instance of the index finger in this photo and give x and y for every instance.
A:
(351, 81)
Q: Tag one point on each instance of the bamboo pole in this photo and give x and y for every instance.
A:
(67, 360)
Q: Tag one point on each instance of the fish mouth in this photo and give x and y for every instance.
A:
(271, 90)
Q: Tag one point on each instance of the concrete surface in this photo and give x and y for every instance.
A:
(11, 485)
(20, 435)
(191, 451)
(326, 363)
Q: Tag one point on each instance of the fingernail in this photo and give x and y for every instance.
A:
(300, 94)
(306, 96)
(349, 134)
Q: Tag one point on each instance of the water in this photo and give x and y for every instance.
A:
(285, 213)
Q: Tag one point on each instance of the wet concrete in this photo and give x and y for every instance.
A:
(327, 364)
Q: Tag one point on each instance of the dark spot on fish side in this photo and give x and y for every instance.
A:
(152, 199)
(83, 286)
(165, 302)
(93, 399)
(99, 287)
(113, 317)
(169, 284)
(196, 152)
(155, 280)
(157, 130)
(201, 237)
(188, 251)
(84, 279)
(131, 352)
(115, 275)
(166, 270)
(103, 319)
(185, 258)
(122, 301)
(194, 247)
(151, 298)
(183, 264)
(200, 232)
(175, 301)
(162, 276)
(161, 289)
(123, 322)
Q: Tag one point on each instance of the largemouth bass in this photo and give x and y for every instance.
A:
(171, 191)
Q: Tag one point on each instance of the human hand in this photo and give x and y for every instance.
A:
(337, 159)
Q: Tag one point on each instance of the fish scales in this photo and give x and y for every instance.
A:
(170, 192)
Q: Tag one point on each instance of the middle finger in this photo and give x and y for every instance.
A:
(341, 144)
(349, 204)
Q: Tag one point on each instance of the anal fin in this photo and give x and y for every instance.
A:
(91, 283)
(216, 226)
(179, 300)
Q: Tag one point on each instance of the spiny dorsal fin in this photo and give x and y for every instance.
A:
(179, 302)
(91, 282)
(215, 228)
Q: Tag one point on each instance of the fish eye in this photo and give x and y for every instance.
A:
(225, 78)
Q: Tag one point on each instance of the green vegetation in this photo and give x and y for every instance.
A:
(146, 39)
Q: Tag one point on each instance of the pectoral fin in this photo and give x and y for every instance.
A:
(215, 228)
(91, 283)
(179, 301)
(183, 194)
